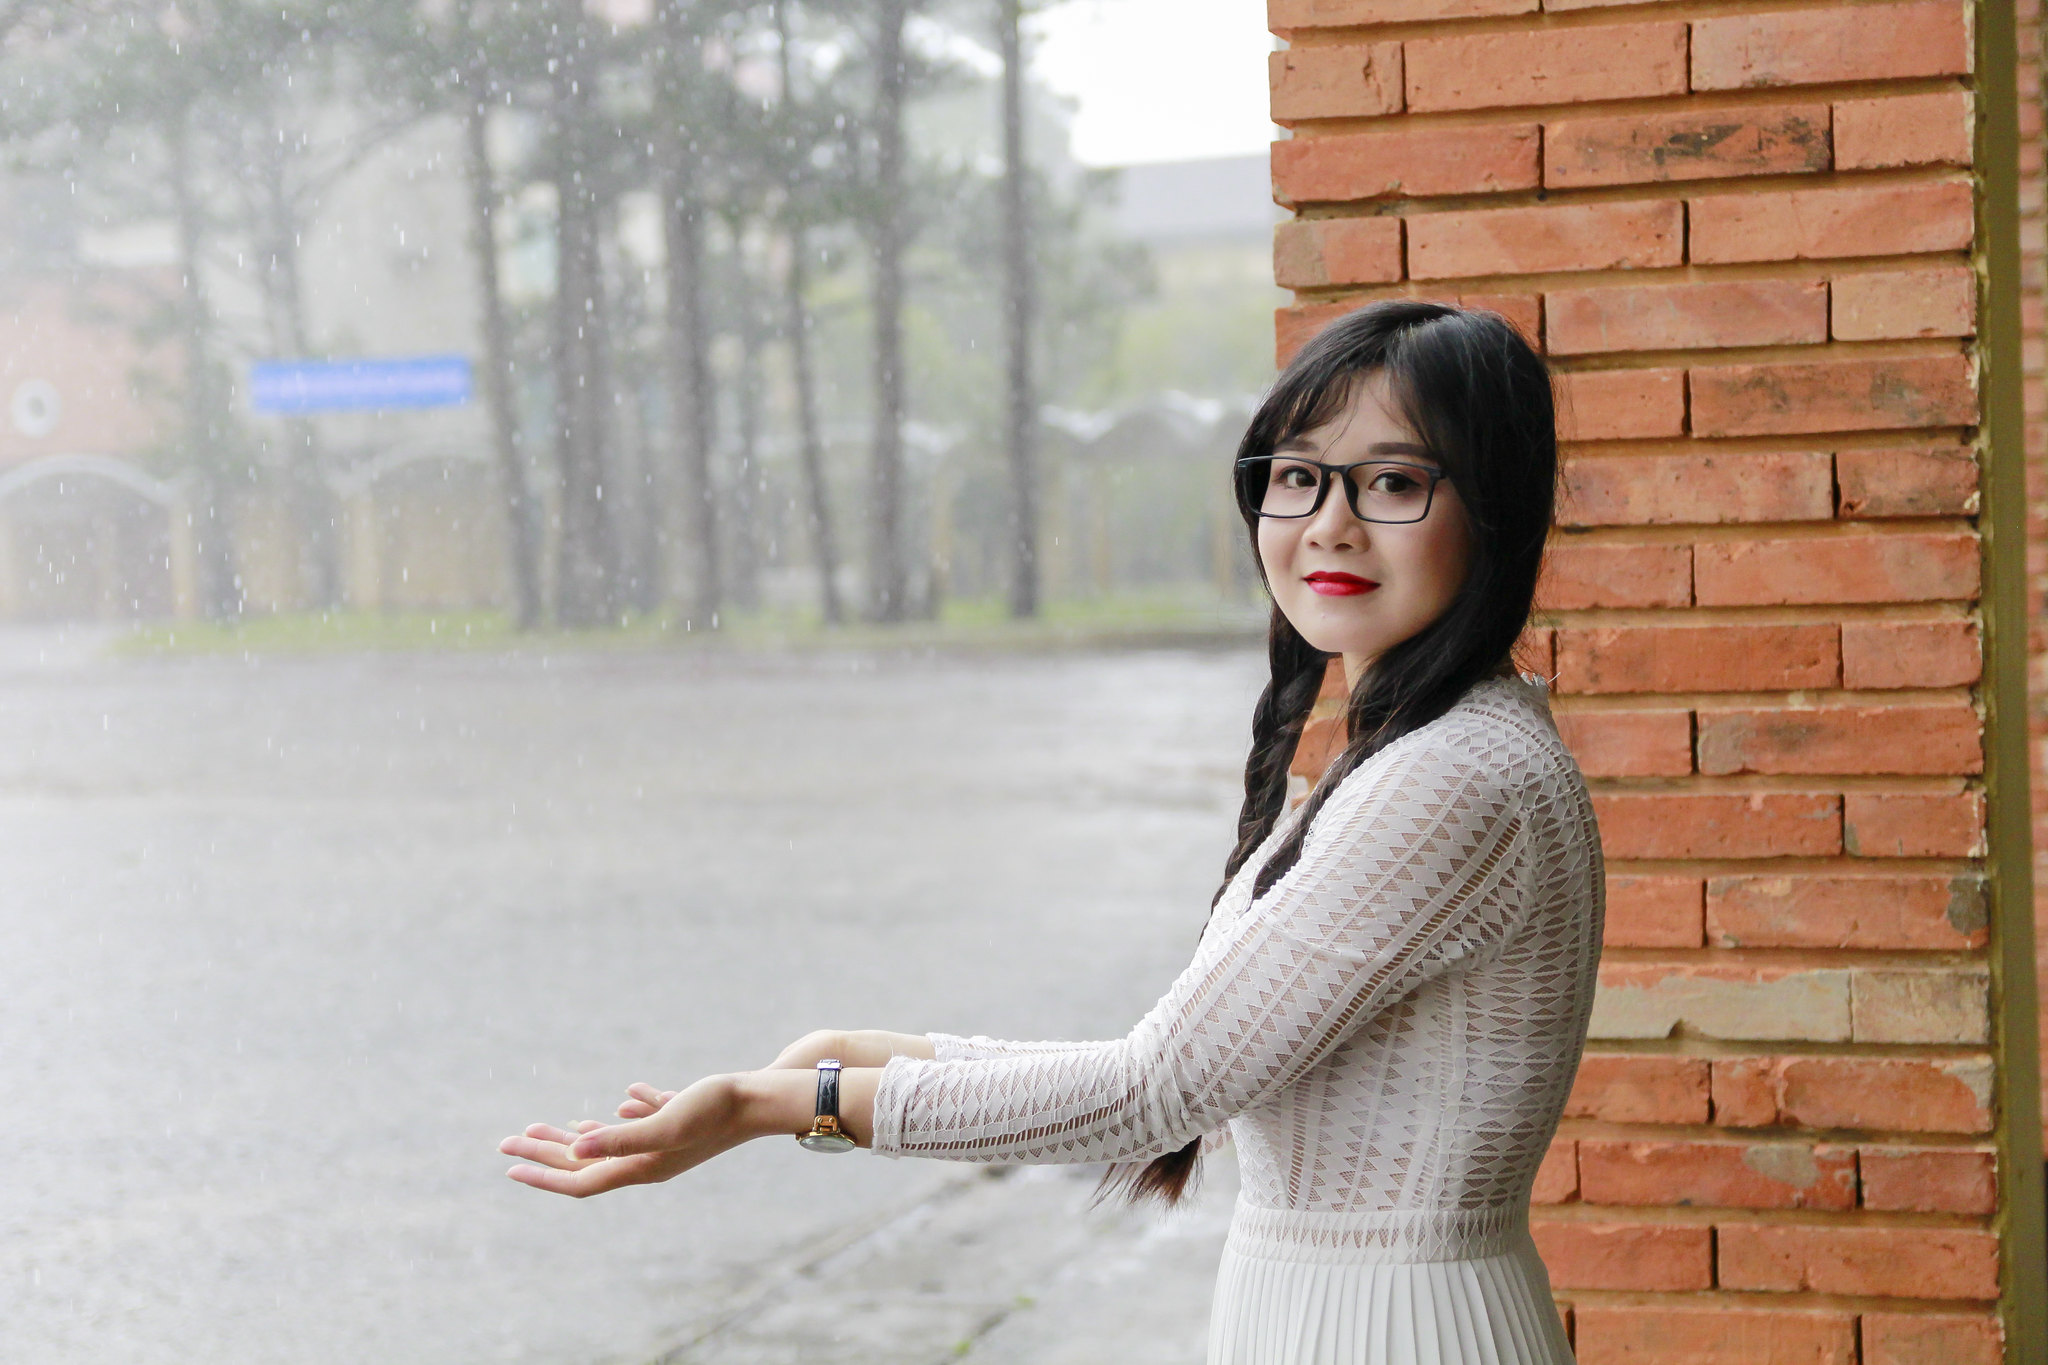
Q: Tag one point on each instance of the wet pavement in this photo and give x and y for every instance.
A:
(292, 942)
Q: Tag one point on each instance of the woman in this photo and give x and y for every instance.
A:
(1390, 998)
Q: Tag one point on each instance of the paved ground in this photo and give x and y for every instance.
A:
(291, 943)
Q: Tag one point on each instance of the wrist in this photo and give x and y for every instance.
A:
(775, 1102)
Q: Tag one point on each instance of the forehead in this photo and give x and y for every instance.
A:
(1367, 417)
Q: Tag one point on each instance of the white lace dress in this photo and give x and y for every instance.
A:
(1389, 1034)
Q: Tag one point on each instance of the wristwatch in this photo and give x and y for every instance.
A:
(826, 1135)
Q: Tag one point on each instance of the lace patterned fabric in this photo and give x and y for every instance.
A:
(1389, 1032)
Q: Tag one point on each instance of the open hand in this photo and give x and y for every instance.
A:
(686, 1128)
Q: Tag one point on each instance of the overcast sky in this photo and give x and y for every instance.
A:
(1158, 80)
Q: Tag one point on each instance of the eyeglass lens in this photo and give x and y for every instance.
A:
(1380, 492)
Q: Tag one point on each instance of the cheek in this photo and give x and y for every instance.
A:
(1277, 539)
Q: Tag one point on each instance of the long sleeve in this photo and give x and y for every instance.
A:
(1415, 864)
(951, 1047)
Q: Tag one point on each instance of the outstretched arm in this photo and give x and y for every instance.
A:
(713, 1116)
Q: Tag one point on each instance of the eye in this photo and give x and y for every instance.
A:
(1295, 476)
(1394, 482)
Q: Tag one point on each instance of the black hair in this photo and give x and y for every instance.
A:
(1479, 398)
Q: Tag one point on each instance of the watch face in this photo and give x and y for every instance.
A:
(828, 1142)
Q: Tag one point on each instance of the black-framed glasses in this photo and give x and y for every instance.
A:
(1392, 492)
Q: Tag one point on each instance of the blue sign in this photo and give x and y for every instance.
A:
(291, 388)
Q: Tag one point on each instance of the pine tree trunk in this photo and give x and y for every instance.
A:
(586, 572)
(220, 590)
(312, 501)
(521, 546)
(888, 586)
(747, 485)
(1020, 297)
(811, 443)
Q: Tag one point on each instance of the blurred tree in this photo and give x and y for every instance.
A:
(587, 579)
(1020, 297)
(684, 112)
(804, 136)
(888, 228)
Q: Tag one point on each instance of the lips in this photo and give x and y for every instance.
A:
(1329, 584)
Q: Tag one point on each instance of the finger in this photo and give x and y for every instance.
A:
(621, 1139)
(634, 1109)
(645, 1093)
(585, 1125)
(547, 1132)
(592, 1179)
(553, 1154)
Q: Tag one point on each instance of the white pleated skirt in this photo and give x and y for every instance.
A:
(1487, 1310)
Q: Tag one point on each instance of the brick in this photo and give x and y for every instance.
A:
(1932, 1339)
(1719, 825)
(1283, 15)
(1620, 405)
(1678, 490)
(1739, 1004)
(1887, 1094)
(1349, 166)
(1834, 395)
(1523, 312)
(1629, 743)
(1642, 1256)
(1934, 1005)
(1577, 576)
(1928, 911)
(1651, 148)
(1719, 1335)
(1811, 47)
(1946, 737)
(1630, 1089)
(1904, 130)
(1559, 237)
(1831, 223)
(1745, 1095)
(1888, 304)
(1887, 568)
(1713, 658)
(1294, 326)
(1916, 1263)
(1928, 1180)
(1318, 252)
(1885, 654)
(1496, 70)
(1348, 81)
(1740, 1175)
(1907, 483)
(1557, 1179)
(1653, 912)
(1674, 317)
(1887, 825)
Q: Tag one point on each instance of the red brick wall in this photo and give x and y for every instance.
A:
(1746, 235)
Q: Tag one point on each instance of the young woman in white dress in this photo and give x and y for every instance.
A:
(1389, 1000)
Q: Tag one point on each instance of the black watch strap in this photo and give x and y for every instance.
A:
(828, 1089)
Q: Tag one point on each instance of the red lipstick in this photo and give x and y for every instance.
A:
(1338, 584)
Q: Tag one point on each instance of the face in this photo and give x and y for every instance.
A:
(1355, 587)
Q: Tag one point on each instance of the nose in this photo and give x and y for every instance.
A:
(1335, 526)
